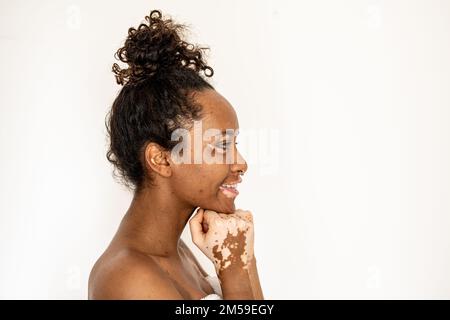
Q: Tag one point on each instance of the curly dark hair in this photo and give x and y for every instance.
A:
(155, 99)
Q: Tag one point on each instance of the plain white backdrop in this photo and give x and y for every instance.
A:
(348, 108)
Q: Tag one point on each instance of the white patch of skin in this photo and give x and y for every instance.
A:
(225, 253)
(221, 226)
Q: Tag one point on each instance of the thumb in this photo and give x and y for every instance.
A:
(195, 225)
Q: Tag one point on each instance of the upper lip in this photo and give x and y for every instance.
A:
(235, 182)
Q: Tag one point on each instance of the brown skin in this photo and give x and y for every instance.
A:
(146, 258)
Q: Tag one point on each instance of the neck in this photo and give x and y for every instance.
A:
(155, 220)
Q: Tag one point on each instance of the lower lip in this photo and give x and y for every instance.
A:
(229, 192)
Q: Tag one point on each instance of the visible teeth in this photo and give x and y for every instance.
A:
(229, 185)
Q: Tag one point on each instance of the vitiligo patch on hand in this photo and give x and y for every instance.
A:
(230, 238)
(229, 252)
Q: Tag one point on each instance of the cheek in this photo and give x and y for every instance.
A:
(212, 175)
(183, 179)
(197, 182)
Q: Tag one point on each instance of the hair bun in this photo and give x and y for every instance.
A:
(157, 48)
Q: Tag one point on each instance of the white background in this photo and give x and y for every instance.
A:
(348, 179)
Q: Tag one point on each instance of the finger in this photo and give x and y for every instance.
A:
(241, 223)
(210, 215)
(195, 225)
(205, 226)
(225, 216)
(244, 214)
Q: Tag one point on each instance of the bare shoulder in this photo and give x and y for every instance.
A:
(129, 274)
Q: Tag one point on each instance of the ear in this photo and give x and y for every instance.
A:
(156, 160)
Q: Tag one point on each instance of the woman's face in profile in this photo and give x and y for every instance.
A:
(199, 182)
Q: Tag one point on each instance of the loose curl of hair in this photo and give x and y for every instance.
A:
(155, 99)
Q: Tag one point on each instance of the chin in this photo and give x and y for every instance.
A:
(230, 209)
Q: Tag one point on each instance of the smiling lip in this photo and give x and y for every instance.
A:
(229, 189)
(235, 182)
(229, 192)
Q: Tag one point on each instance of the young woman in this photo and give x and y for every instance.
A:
(163, 93)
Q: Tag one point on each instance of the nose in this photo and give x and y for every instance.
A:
(240, 165)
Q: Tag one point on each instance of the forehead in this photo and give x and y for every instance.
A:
(217, 111)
